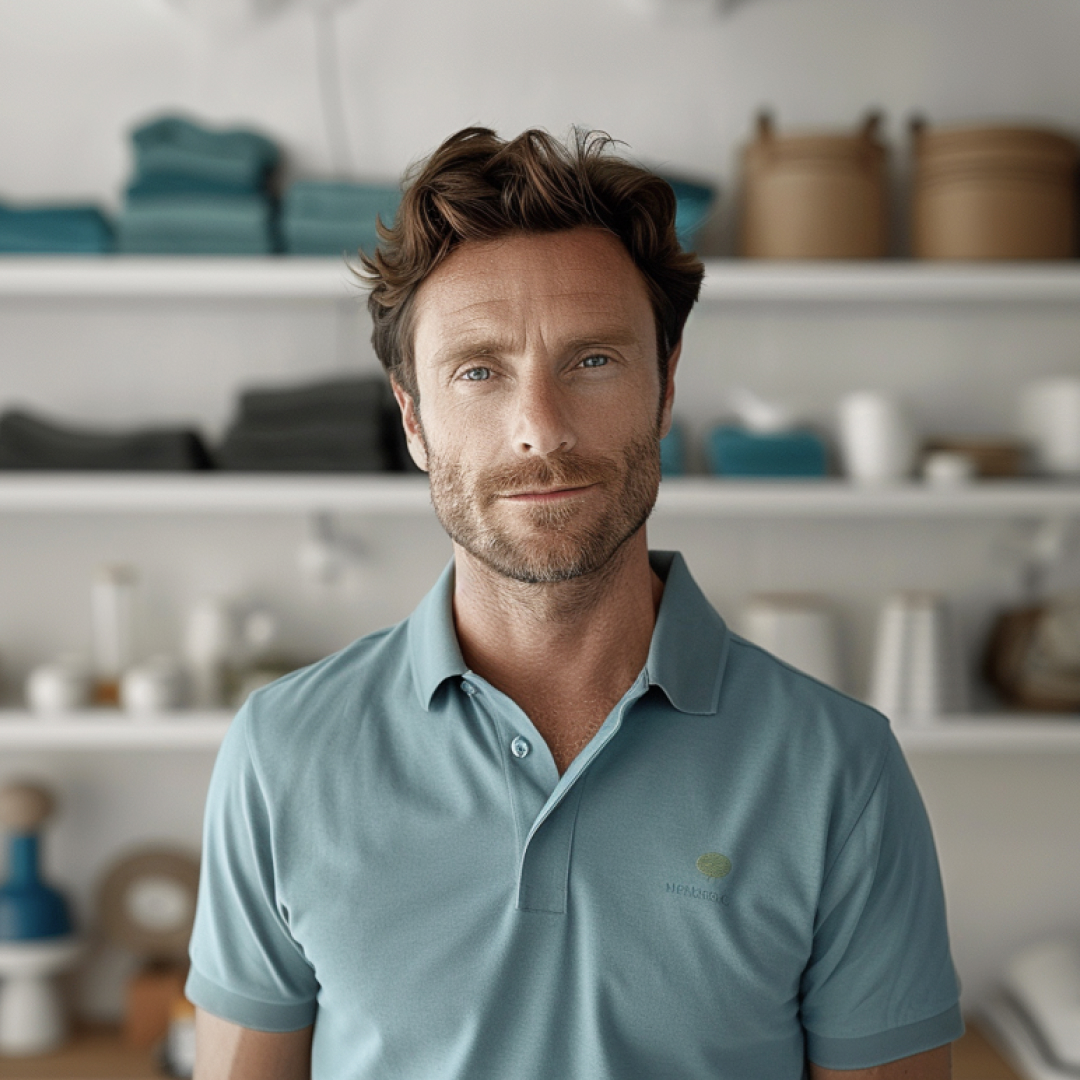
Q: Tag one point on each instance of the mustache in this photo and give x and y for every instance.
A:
(568, 470)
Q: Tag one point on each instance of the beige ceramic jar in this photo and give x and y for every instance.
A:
(993, 193)
(814, 196)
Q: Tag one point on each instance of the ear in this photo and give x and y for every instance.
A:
(669, 390)
(410, 420)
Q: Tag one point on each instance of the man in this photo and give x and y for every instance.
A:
(560, 824)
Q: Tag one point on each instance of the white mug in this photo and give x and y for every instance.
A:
(877, 444)
(1050, 420)
(800, 629)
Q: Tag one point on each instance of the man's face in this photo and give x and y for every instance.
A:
(540, 393)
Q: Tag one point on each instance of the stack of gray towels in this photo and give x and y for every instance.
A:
(31, 442)
(346, 424)
(197, 191)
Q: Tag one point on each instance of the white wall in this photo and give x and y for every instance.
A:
(76, 74)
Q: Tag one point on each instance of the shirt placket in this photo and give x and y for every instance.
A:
(544, 805)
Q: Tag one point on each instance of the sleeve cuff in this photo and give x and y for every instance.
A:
(885, 1046)
(245, 1011)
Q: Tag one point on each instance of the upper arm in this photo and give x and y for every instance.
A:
(227, 1051)
(930, 1065)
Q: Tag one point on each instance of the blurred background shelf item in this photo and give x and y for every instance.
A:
(726, 279)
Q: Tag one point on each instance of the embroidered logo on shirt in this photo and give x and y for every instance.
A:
(714, 865)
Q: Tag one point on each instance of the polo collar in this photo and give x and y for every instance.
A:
(686, 655)
(433, 644)
(689, 645)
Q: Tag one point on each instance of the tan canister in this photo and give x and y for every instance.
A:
(814, 196)
(993, 193)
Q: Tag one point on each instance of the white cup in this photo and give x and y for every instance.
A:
(61, 687)
(798, 628)
(154, 687)
(915, 677)
(877, 444)
(1050, 421)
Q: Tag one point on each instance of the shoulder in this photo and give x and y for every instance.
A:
(830, 738)
(326, 699)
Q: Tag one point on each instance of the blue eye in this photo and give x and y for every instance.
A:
(477, 374)
(594, 361)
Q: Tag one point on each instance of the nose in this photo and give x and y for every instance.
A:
(542, 420)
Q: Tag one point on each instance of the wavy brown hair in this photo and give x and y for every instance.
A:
(476, 186)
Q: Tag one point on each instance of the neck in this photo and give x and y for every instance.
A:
(569, 647)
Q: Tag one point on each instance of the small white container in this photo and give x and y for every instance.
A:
(58, 688)
(916, 677)
(800, 629)
(1050, 420)
(877, 444)
(155, 687)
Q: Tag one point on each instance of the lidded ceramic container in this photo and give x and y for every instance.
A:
(814, 196)
(993, 193)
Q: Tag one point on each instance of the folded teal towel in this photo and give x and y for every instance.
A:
(167, 185)
(325, 217)
(693, 201)
(54, 230)
(340, 200)
(197, 226)
(173, 145)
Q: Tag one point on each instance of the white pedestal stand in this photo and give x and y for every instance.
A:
(32, 1017)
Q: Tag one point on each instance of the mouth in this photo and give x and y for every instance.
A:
(546, 495)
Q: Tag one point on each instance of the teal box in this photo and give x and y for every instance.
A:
(734, 451)
(673, 451)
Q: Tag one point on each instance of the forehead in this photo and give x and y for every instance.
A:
(565, 282)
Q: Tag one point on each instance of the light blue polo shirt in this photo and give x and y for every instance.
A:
(735, 875)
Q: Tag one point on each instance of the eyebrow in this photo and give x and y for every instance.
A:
(487, 345)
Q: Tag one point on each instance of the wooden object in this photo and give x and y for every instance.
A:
(993, 193)
(151, 997)
(814, 196)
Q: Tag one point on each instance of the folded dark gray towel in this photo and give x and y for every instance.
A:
(350, 398)
(28, 442)
(331, 446)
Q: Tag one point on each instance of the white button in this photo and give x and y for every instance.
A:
(520, 747)
(468, 687)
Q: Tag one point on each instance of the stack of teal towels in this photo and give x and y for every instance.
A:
(54, 230)
(332, 217)
(198, 191)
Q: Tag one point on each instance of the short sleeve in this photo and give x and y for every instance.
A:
(246, 966)
(880, 984)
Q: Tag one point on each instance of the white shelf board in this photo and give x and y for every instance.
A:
(726, 280)
(230, 493)
(709, 497)
(991, 732)
(703, 497)
(188, 730)
(890, 280)
(180, 277)
(101, 729)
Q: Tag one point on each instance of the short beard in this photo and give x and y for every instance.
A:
(557, 547)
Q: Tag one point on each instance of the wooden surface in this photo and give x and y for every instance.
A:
(99, 1055)
(94, 1054)
(974, 1058)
